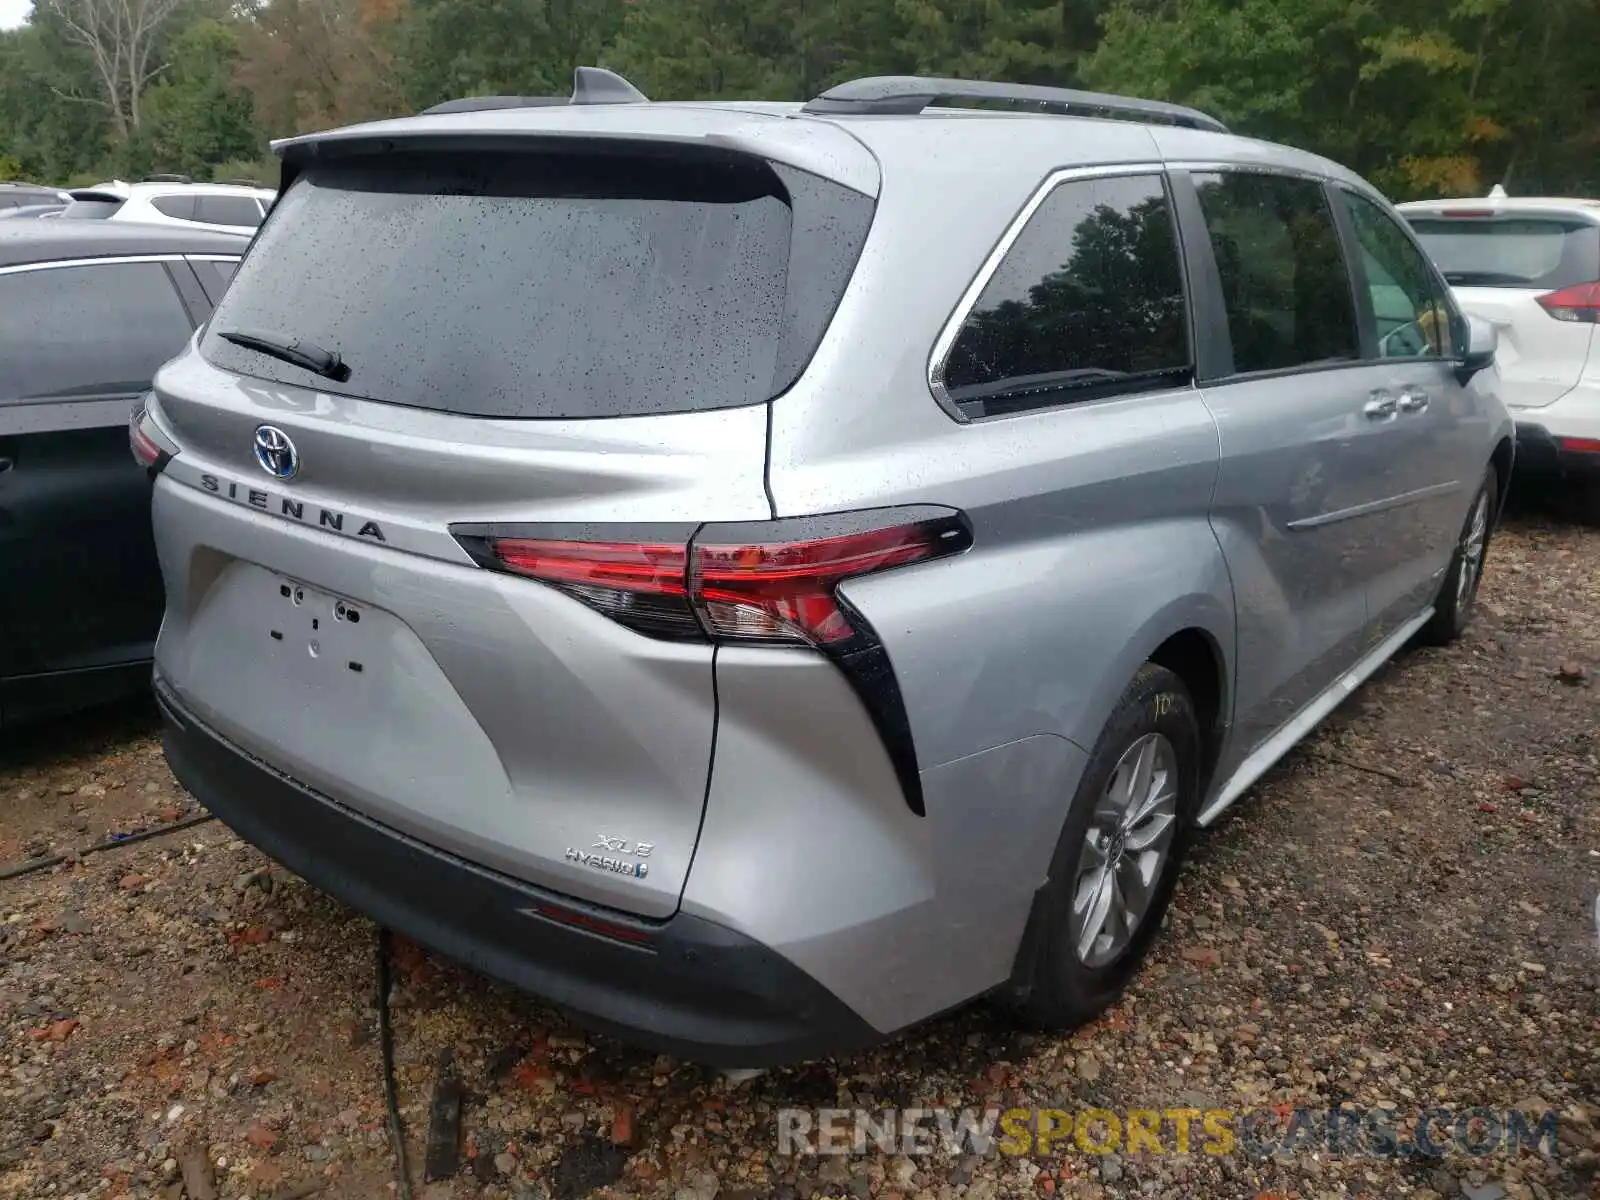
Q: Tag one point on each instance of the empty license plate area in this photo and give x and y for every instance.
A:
(325, 630)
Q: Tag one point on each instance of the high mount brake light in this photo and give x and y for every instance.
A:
(758, 582)
(1578, 303)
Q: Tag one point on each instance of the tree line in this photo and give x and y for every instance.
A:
(1425, 97)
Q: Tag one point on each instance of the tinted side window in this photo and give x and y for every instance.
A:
(1285, 285)
(1088, 300)
(88, 330)
(228, 210)
(1410, 318)
(181, 207)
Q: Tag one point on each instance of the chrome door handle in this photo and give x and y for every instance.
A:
(1412, 400)
(1380, 408)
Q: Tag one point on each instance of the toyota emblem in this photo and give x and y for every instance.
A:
(276, 453)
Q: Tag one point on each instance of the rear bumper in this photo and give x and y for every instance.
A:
(697, 990)
(1539, 452)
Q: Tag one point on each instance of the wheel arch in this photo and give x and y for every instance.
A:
(1502, 460)
(1192, 636)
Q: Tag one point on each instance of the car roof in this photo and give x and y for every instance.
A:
(24, 242)
(847, 147)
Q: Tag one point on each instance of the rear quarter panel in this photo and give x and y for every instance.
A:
(1092, 547)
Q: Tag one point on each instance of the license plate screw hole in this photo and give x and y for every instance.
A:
(276, 635)
(299, 596)
(314, 648)
(315, 624)
(356, 667)
(283, 590)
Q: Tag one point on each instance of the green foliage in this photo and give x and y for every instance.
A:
(195, 115)
(1423, 96)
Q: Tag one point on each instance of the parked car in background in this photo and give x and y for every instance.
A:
(87, 314)
(173, 200)
(1531, 266)
(28, 195)
(25, 212)
(604, 544)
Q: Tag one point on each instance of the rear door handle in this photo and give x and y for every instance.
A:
(1381, 407)
(1412, 400)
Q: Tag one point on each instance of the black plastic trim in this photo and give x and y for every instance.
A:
(700, 991)
(1538, 452)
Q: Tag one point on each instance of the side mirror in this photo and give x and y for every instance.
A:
(1482, 341)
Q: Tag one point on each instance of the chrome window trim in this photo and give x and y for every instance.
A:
(233, 258)
(969, 298)
(108, 261)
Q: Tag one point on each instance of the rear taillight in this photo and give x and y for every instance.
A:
(760, 582)
(1578, 303)
(151, 448)
(768, 581)
(1574, 445)
(641, 584)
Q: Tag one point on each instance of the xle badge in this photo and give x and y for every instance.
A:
(606, 862)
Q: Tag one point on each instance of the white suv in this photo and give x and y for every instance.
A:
(173, 200)
(1532, 267)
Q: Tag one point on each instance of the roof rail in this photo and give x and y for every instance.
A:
(254, 183)
(590, 85)
(166, 179)
(910, 94)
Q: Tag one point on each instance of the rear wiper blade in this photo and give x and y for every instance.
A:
(299, 351)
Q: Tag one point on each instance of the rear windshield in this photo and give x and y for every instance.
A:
(91, 208)
(1545, 253)
(547, 285)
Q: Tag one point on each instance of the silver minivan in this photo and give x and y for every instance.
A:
(759, 575)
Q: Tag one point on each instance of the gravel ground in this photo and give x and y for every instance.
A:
(1396, 916)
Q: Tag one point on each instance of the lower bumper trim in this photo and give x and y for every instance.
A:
(697, 990)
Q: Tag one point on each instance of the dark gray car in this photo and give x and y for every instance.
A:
(87, 314)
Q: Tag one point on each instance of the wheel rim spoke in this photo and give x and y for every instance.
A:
(1152, 834)
(1144, 766)
(1137, 882)
(1093, 903)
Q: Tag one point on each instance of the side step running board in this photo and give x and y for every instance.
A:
(1307, 719)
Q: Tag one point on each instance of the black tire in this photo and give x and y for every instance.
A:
(1052, 986)
(1586, 500)
(1453, 609)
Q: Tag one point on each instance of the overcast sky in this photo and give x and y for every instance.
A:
(12, 12)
